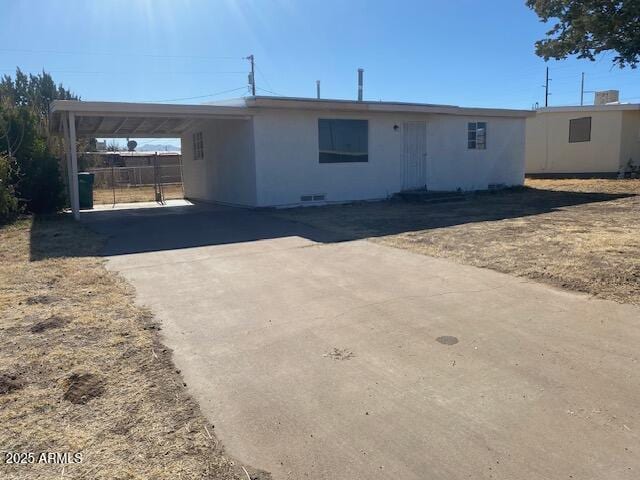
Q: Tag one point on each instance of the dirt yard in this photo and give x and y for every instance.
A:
(583, 235)
(82, 369)
(135, 194)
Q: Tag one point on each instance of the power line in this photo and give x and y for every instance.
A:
(196, 97)
(128, 73)
(270, 91)
(127, 54)
(263, 76)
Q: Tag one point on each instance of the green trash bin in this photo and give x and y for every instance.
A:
(85, 189)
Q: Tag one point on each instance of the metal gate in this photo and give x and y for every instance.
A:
(150, 182)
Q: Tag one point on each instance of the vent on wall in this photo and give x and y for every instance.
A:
(312, 198)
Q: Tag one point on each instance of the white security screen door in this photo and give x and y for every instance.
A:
(414, 155)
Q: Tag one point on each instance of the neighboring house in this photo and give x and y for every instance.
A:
(589, 141)
(274, 151)
(130, 159)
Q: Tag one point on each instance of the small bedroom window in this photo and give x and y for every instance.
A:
(580, 130)
(477, 135)
(343, 141)
(198, 146)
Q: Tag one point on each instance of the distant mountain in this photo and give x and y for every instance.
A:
(156, 147)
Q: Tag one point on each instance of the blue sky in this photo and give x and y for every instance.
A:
(458, 52)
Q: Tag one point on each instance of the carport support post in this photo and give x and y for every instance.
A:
(64, 120)
(73, 187)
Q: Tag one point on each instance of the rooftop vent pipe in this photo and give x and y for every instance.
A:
(360, 72)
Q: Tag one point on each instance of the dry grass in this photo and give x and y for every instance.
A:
(630, 186)
(583, 235)
(82, 369)
(135, 194)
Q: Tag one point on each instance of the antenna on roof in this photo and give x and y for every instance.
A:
(318, 89)
(360, 73)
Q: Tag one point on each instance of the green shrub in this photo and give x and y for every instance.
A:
(40, 187)
(8, 201)
(34, 174)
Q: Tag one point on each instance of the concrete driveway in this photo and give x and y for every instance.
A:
(351, 360)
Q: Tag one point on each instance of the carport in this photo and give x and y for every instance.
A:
(77, 119)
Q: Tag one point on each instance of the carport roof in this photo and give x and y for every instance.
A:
(146, 120)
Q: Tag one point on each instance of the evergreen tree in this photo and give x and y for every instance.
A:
(24, 139)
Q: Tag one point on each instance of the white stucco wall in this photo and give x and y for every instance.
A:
(451, 165)
(548, 150)
(227, 172)
(287, 166)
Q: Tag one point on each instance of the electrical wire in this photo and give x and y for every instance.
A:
(128, 54)
(264, 77)
(128, 73)
(196, 97)
(270, 91)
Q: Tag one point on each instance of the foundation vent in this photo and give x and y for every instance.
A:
(312, 198)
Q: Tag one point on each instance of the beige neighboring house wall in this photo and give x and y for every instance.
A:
(615, 139)
(630, 135)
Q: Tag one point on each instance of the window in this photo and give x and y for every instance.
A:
(580, 130)
(198, 146)
(343, 141)
(477, 135)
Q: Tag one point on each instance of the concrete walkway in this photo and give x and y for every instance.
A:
(352, 360)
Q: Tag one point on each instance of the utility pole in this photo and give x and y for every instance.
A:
(546, 89)
(582, 90)
(252, 75)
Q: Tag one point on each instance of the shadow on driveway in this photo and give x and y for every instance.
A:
(169, 228)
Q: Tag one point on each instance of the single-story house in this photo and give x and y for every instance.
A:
(583, 141)
(277, 152)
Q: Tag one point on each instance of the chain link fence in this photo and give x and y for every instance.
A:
(138, 183)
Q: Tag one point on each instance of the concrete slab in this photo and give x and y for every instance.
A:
(175, 202)
(325, 360)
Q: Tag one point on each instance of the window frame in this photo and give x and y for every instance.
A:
(572, 123)
(472, 135)
(198, 145)
(345, 156)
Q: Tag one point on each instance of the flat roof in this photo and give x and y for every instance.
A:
(378, 107)
(126, 119)
(591, 108)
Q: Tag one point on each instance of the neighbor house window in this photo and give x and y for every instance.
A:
(343, 141)
(198, 146)
(580, 130)
(477, 135)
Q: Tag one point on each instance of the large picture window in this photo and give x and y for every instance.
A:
(343, 141)
(580, 130)
(477, 135)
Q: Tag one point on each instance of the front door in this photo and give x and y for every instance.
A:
(414, 155)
